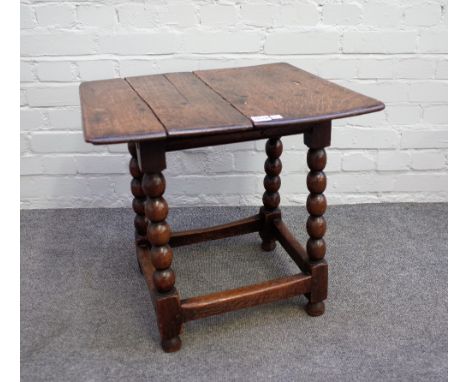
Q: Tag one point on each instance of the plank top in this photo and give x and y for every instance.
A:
(186, 106)
(112, 112)
(213, 103)
(288, 92)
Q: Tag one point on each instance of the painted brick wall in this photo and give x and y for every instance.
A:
(394, 50)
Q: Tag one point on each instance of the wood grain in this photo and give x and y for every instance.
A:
(236, 228)
(291, 245)
(271, 197)
(244, 297)
(185, 105)
(113, 113)
(296, 95)
(321, 136)
(213, 104)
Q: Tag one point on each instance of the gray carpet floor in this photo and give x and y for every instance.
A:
(86, 313)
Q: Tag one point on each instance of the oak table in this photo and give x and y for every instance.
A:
(155, 114)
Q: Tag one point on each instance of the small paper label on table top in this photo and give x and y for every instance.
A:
(265, 118)
(261, 118)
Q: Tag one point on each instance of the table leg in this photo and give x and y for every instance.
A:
(138, 203)
(316, 224)
(167, 300)
(271, 196)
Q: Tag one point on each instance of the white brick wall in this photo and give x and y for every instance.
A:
(395, 50)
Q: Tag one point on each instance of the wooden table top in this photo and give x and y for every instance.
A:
(213, 102)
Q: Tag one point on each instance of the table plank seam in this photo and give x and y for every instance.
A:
(109, 108)
(209, 105)
(224, 98)
(224, 81)
(149, 106)
(175, 87)
(197, 110)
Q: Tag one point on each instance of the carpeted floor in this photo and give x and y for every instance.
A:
(86, 313)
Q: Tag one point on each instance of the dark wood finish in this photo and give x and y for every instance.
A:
(317, 269)
(144, 258)
(315, 309)
(185, 105)
(169, 314)
(296, 95)
(239, 227)
(321, 130)
(138, 203)
(177, 106)
(244, 297)
(160, 113)
(158, 233)
(272, 183)
(316, 205)
(151, 156)
(291, 245)
(113, 113)
(167, 305)
(319, 136)
(319, 273)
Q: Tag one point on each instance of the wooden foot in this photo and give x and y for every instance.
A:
(315, 309)
(271, 196)
(169, 314)
(268, 244)
(171, 345)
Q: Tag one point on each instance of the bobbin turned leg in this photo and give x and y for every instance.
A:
(167, 300)
(316, 224)
(271, 196)
(138, 203)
